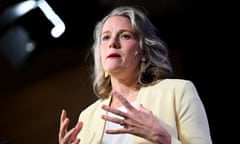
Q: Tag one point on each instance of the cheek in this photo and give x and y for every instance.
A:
(134, 56)
(102, 56)
(102, 49)
(103, 60)
(134, 51)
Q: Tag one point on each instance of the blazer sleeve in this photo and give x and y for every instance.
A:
(192, 122)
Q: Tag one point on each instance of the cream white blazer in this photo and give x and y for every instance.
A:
(175, 102)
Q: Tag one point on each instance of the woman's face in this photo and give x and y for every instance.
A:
(120, 51)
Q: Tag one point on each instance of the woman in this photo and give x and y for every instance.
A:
(138, 101)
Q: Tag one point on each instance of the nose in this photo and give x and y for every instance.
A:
(114, 43)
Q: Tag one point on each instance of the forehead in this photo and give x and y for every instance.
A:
(117, 22)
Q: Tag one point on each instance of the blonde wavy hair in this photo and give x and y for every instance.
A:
(157, 62)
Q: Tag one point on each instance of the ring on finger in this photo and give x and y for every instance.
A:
(122, 123)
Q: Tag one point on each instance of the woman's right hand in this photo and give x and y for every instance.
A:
(66, 136)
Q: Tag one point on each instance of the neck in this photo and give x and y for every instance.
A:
(124, 87)
(128, 89)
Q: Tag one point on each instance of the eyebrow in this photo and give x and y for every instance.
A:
(122, 30)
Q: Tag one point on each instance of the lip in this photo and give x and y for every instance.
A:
(114, 55)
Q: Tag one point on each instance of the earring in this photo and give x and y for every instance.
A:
(142, 65)
(106, 74)
(136, 53)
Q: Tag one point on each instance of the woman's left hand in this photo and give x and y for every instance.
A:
(140, 122)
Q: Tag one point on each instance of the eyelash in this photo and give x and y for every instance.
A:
(105, 37)
(125, 36)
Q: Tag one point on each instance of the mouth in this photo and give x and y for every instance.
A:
(113, 55)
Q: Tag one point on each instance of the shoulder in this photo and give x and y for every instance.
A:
(175, 92)
(175, 81)
(173, 84)
(180, 89)
(171, 89)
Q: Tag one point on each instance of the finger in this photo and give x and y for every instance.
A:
(145, 110)
(142, 108)
(117, 131)
(63, 128)
(63, 115)
(76, 141)
(115, 111)
(124, 101)
(78, 128)
(113, 119)
(68, 136)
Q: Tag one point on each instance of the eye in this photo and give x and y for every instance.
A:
(105, 37)
(125, 36)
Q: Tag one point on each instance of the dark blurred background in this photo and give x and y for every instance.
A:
(35, 85)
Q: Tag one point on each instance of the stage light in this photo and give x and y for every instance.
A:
(59, 26)
(17, 42)
(14, 12)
